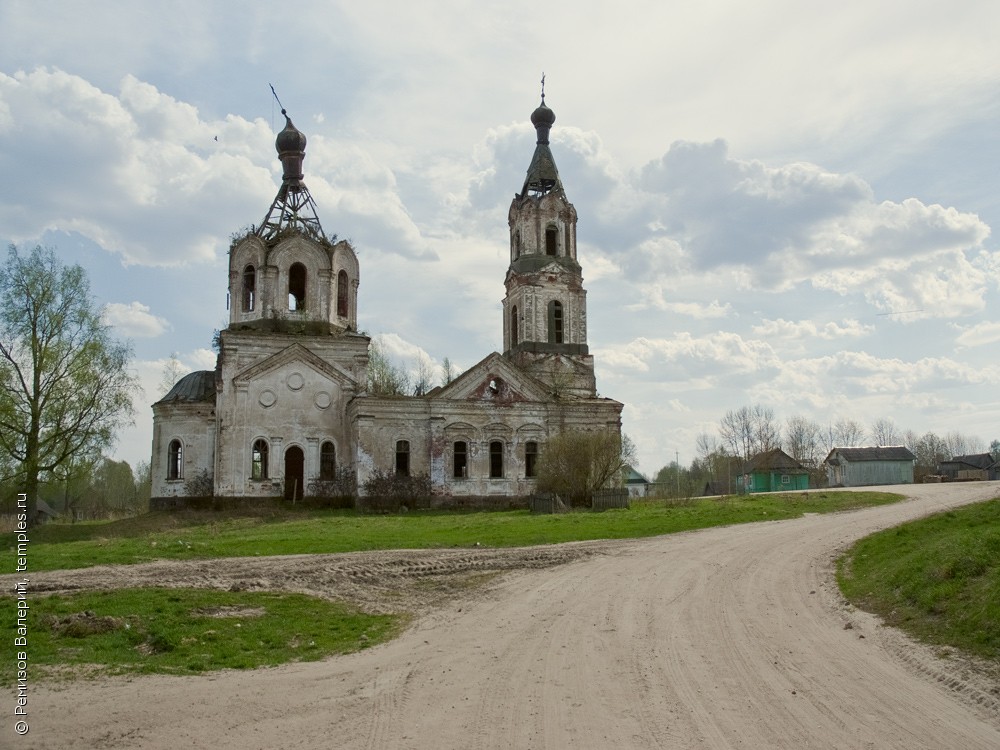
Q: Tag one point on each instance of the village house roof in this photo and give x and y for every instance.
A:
(773, 459)
(976, 460)
(853, 455)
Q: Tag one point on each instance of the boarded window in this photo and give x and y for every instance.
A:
(403, 458)
(342, 298)
(555, 322)
(530, 458)
(327, 461)
(461, 470)
(513, 326)
(249, 288)
(297, 287)
(175, 460)
(258, 460)
(496, 460)
(551, 241)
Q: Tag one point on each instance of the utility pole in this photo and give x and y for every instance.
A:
(677, 463)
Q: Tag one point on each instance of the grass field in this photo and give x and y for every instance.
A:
(281, 531)
(937, 578)
(185, 631)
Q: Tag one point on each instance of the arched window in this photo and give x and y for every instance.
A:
(517, 244)
(343, 303)
(249, 288)
(551, 241)
(327, 461)
(297, 287)
(403, 458)
(175, 460)
(530, 458)
(513, 326)
(568, 245)
(555, 322)
(258, 460)
(496, 460)
(461, 453)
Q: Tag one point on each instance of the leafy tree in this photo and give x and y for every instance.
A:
(575, 463)
(65, 386)
(384, 377)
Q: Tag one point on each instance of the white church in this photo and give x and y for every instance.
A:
(287, 413)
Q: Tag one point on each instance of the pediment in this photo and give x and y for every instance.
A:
(493, 378)
(295, 354)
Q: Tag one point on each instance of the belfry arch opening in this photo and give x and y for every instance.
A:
(249, 288)
(297, 287)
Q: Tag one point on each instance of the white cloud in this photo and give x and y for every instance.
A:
(134, 319)
(807, 329)
(981, 334)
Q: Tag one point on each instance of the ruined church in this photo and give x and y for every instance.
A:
(287, 411)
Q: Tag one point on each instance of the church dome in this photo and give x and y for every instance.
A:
(543, 116)
(290, 139)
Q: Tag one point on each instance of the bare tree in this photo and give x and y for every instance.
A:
(749, 430)
(963, 445)
(173, 370)
(422, 382)
(447, 371)
(930, 450)
(575, 463)
(848, 434)
(802, 440)
(884, 432)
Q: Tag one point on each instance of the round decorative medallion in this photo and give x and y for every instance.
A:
(295, 381)
(322, 400)
(267, 398)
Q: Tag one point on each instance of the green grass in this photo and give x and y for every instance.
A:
(937, 578)
(190, 535)
(142, 631)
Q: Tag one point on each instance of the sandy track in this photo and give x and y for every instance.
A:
(723, 638)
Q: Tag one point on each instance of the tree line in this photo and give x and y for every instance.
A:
(750, 430)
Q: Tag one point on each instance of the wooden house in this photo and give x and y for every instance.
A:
(861, 467)
(773, 471)
(980, 466)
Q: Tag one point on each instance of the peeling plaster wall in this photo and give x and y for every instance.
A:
(194, 425)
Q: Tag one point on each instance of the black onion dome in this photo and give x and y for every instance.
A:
(543, 116)
(290, 139)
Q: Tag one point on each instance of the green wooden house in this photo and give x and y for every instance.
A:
(773, 471)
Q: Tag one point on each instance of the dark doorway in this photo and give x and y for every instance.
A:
(294, 473)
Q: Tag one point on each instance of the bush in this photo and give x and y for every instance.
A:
(387, 491)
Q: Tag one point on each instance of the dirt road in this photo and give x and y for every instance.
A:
(725, 638)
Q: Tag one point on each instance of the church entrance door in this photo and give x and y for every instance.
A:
(294, 473)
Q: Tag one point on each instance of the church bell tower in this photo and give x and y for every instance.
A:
(545, 308)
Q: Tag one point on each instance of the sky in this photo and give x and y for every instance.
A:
(782, 203)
